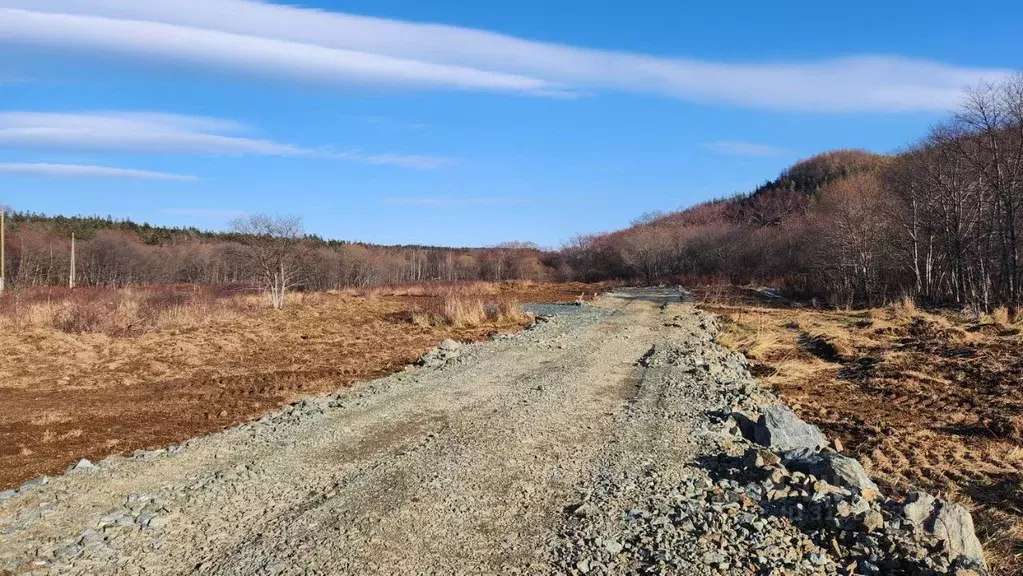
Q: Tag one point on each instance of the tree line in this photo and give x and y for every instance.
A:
(123, 253)
(941, 220)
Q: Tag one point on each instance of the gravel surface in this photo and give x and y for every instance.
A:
(598, 442)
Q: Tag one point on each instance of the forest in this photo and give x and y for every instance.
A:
(123, 253)
(940, 221)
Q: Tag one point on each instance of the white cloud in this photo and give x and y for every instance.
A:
(266, 55)
(410, 160)
(168, 133)
(740, 148)
(313, 45)
(84, 171)
(457, 201)
(133, 132)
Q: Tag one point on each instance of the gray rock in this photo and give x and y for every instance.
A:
(141, 454)
(781, 430)
(948, 522)
(40, 481)
(585, 509)
(447, 350)
(613, 546)
(713, 557)
(834, 468)
(83, 464)
(449, 345)
(7, 494)
(111, 518)
(918, 508)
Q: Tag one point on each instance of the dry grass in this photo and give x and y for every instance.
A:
(97, 372)
(120, 313)
(925, 399)
(460, 312)
(463, 312)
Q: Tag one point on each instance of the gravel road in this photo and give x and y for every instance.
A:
(556, 450)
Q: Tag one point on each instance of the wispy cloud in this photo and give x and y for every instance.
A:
(86, 171)
(172, 134)
(457, 201)
(740, 148)
(279, 41)
(411, 160)
(133, 132)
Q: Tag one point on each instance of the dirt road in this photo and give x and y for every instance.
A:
(547, 451)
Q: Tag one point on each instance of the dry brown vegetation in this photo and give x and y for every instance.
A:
(103, 371)
(941, 221)
(925, 399)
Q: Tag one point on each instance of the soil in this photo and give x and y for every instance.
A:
(66, 396)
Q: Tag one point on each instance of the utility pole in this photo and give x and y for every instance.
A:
(71, 277)
(3, 253)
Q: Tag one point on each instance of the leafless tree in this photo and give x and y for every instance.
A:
(274, 250)
(990, 137)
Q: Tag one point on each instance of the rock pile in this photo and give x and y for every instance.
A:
(832, 498)
(772, 499)
(447, 351)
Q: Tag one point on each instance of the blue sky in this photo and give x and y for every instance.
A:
(459, 122)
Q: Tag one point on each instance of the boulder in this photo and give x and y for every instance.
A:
(917, 508)
(948, 522)
(832, 467)
(449, 345)
(781, 430)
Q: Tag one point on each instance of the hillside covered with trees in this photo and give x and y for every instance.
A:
(941, 220)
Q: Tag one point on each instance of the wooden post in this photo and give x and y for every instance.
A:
(71, 277)
(3, 253)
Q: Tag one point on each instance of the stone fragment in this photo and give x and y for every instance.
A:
(758, 458)
(83, 464)
(948, 522)
(832, 467)
(449, 345)
(873, 521)
(781, 430)
(39, 481)
(585, 509)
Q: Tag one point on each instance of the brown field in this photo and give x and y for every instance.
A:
(924, 399)
(102, 372)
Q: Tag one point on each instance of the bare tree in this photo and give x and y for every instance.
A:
(274, 250)
(990, 138)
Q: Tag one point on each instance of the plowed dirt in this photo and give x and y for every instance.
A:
(66, 396)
